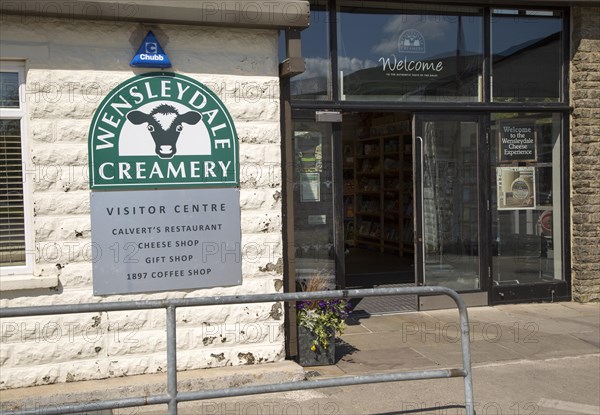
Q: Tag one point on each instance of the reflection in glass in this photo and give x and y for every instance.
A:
(526, 55)
(313, 201)
(450, 214)
(403, 55)
(315, 82)
(9, 90)
(527, 242)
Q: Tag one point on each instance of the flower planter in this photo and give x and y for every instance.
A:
(319, 356)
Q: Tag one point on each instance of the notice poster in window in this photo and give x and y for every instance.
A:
(517, 142)
(516, 188)
(310, 187)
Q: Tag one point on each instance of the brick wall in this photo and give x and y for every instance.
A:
(585, 150)
(70, 66)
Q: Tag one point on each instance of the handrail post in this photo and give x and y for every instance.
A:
(466, 351)
(172, 359)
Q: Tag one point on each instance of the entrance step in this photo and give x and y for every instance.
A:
(49, 396)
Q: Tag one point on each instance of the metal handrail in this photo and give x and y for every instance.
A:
(173, 396)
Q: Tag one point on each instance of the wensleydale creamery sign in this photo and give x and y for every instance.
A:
(156, 142)
(162, 130)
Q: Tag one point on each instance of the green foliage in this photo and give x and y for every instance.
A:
(321, 318)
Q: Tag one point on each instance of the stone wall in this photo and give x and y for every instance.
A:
(70, 66)
(585, 151)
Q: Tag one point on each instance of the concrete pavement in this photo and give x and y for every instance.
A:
(541, 359)
(527, 359)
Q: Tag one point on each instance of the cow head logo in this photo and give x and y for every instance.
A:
(411, 41)
(165, 124)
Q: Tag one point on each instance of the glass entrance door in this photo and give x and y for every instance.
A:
(316, 202)
(448, 200)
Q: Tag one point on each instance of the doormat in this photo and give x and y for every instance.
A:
(386, 305)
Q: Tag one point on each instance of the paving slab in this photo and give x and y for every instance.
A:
(544, 346)
(435, 331)
(583, 307)
(396, 359)
(445, 315)
(560, 326)
(355, 327)
(591, 337)
(550, 310)
(450, 355)
(490, 315)
(395, 322)
(386, 340)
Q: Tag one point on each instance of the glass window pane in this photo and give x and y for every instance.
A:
(410, 55)
(313, 201)
(526, 193)
(9, 90)
(12, 219)
(526, 56)
(315, 82)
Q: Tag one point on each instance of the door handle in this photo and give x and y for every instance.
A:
(420, 238)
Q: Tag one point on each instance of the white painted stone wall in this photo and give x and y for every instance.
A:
(71, 65)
